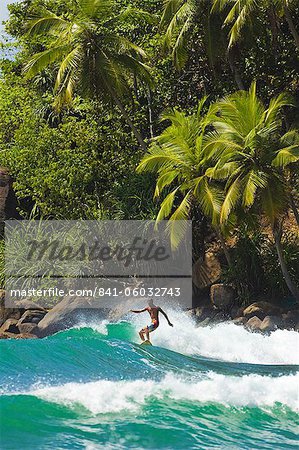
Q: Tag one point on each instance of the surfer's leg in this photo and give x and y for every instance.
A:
(142, 333)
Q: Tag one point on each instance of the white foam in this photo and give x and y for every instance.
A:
(224, 341)
(100, 327)
(115, 396)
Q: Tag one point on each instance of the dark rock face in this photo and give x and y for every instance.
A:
(222, 296)
(28, 328)
(32, 316)
(261, 310)
(240, 320)
(69, 312)
(253, 324)
(271, 323)
(29, 305)
(291, 318)
(7, 335)
(10, 326)
(7, 313)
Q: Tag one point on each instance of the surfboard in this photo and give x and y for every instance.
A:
(146, 343)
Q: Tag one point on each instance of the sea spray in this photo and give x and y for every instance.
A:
(225, 341)
(114, 396)
(94, 387)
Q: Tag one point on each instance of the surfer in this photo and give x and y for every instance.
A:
(153, 311)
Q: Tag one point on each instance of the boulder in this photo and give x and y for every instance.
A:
(222, 296)
(261, 310)
(291, 318)
(70, 312)
(29, 305)
(271, 323)
(7, 335)
(10, 326)
(206, 272)
(28, 328)
(32, 316)
(253, 324)
(204, 322)
(239, 312)
(7, 313)
(240, 320)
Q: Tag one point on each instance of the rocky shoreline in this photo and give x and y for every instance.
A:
(28, 320)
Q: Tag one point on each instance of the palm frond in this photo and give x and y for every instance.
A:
(40, 61)
(47, 23)
(70, 62)
(177, 223)
(166, 205)
(232, 199)
(222, 171)
(210, 199)
(252, 181)
(274, 200)
(164, 180)
(96, 9)
(286, 156)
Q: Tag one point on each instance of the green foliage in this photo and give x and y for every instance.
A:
(225, 163)
(249, 138)
(74, 168)
(178, 156)
(256, 270)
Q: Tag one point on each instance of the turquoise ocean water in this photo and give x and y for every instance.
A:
(93, 387)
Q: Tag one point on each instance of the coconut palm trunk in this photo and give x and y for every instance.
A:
(225, 249)
(291, 25)
(294, 208)
(234, 69)
(277, 233)
(136, 133)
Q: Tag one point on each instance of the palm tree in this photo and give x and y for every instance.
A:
(240, 12)
(89, 54)
(179, 18)
(287, 160)
(253, 152)
(179, 159)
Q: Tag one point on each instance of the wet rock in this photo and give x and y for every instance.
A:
(8, 335)
(222, 296)
(10, 326)
(271, 323)
(28, 328)
(205, 322)
(70, 312)
(7, 313)
(32, 316)
(253, 324)
(29, 305)
(239, 312)
(240, 320)
(261, 310)
(291, 318)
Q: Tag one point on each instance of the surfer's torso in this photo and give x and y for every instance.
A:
(154, 314)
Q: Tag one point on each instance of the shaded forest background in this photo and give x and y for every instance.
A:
(79, 160)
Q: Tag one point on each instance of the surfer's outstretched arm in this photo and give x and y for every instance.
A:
(137, 311)
(166, 317)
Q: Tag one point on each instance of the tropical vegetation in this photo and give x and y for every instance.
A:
(201, 97)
